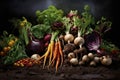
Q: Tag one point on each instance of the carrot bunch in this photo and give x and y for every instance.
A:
(54, 50)
(54, 54)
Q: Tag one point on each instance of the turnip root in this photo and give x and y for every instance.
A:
(79, 41)
(68, 38)
(106, 60)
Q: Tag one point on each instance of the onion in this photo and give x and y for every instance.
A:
(35, 47)
(85, 58)
(90, 55)
(71, 55)
(92, 63)
(96, 59)
(74, 61)
(106, 61)
(35, 56)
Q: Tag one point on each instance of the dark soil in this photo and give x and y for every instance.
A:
(66, 72)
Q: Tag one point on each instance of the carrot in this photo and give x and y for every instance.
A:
(45, 55)
(51, 51)
(55, 53)
(58, 61)
(61, 53)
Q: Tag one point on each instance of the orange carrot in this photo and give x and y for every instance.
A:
(61, 53)
(57, 61)
(55, 53)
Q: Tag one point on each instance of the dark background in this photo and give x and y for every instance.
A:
(27, 8)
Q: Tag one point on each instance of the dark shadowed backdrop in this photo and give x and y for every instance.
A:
(27, 8)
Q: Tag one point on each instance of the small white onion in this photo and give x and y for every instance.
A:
(91, 55)
(74, 61)
(35, 56)
(81, 63)
(92, 63)
(96, 59)
(85, 58)
(71, 55)
(106, 61)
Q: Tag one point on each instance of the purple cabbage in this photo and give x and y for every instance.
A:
(93, 41)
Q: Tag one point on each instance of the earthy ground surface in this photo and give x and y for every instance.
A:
(66, 72)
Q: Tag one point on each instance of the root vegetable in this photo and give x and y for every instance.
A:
(79, 41)
(74, 61)
(61, 52)
(69, 48)
(35, 56)
(90, 55)
(71, 55)
(69, 38)
(92, 63)
(106, 61)
(85, 58)
(96, 59)
(81, 62)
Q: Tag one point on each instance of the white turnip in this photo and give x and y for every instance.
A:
(69, 38)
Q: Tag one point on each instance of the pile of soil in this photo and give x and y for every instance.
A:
(66, 72)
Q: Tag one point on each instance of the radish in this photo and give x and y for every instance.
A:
(83, 24)
(68, 37)
(78, 40)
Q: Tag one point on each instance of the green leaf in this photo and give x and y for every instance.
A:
(40, 30)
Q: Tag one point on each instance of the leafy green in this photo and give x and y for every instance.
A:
(40, 30)
(86, 21)
(17, 52)
(103, 25)
(50, 15)
(108, 46)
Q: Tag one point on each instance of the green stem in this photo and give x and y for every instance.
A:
(54, 35)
